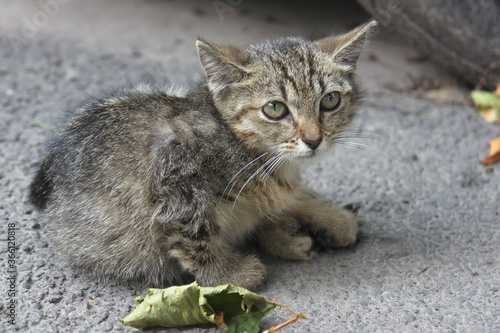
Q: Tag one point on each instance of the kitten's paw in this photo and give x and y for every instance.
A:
(341, 232)
(299, 248)
(347, 232)
(250, 274)
(247, 272)
(285, 241)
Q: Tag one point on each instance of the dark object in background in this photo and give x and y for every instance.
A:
(463, 36)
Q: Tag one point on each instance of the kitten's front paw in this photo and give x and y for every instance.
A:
(341, 232)
(250, 273)
(298, 248)
(348, 230)
(285, 241)
(247, 272)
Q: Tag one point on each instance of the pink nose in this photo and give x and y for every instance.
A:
(313, 144)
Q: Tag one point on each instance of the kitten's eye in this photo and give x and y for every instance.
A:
(275, 110)
(330, 101)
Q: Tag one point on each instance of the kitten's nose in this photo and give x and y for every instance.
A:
(313, 144)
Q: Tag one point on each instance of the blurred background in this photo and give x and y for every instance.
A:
(461, 37)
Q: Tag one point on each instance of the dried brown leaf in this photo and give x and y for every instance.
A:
(494, 152)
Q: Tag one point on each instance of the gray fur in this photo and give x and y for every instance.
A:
(144, 185)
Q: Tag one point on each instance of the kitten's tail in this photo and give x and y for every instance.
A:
(42, 185)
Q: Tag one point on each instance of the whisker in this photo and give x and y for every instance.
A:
(252, 176)
(273, 167)
(361, 133)
(267, 172)
(363, 146)
(241, 170)
(282, 162)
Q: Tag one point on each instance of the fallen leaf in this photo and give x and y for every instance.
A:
(288, 322)
(230, 307)
(491, 115)
(485, 99)
(488, 104)
(494, 152)
(242, 310)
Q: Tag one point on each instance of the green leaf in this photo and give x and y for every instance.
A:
(171, 307)
(242, 310)
(233, 308)
(488, 104)
(485, 99)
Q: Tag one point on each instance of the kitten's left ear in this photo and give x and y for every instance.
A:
(223, 64)
(346, 48)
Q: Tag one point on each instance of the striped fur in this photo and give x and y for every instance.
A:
(142, 184)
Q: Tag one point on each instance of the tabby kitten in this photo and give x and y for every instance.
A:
(145, 185)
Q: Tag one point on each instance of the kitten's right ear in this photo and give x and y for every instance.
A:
(346, 48)
(223, 64)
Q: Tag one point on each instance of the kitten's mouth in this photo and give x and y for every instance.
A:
(308, 154)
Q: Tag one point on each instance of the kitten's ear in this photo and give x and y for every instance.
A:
(223, 64)
(346, 48)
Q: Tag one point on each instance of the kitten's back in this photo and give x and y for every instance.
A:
(121, 167)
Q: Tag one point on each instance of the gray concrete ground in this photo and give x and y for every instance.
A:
(428, 257)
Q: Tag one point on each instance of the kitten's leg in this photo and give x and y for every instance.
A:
(213, 263)
(336, 224)
(282, 239)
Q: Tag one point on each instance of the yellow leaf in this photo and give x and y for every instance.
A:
(494, 152)
(491, 115)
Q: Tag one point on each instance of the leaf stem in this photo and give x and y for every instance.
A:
(219, 317)
(288, 322)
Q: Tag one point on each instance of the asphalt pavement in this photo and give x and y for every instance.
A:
(428, 259)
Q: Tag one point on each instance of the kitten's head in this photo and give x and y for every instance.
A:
(290, 96)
